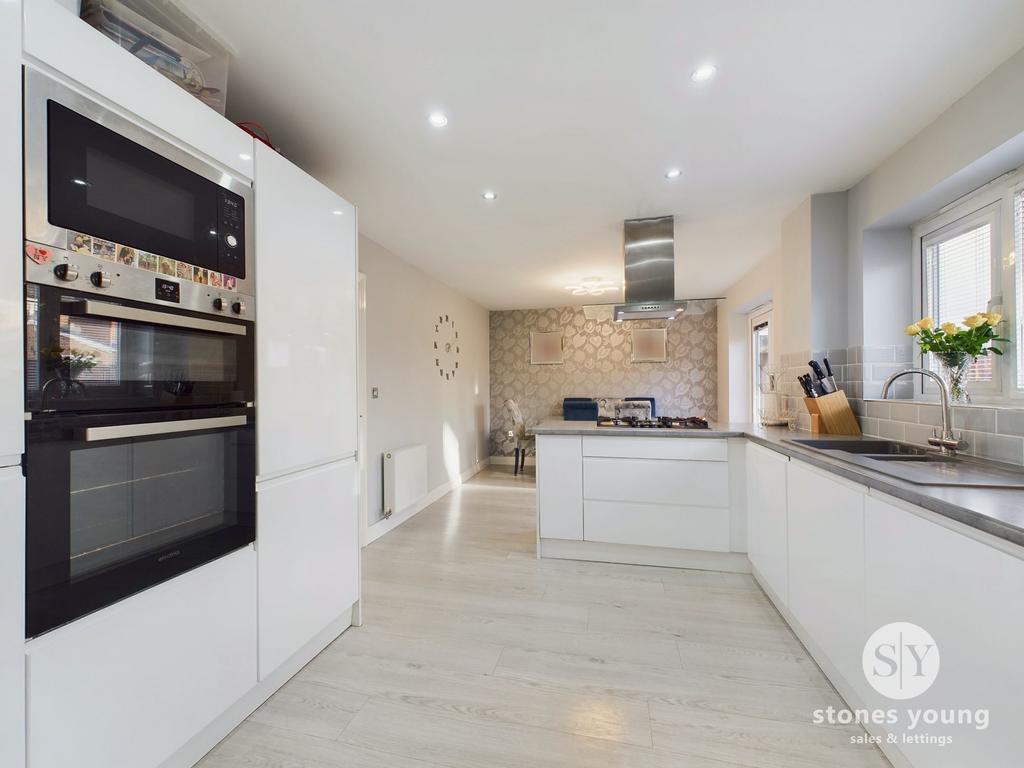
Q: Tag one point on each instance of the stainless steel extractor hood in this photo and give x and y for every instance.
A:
(650, 289)
(650, 276)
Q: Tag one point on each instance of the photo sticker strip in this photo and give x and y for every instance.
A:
(199, 275)
(230, 283)
(126, 256)
(79, 243)
(168, 266)
(149, 261)
(215, 280)
(103, 248)
(184, 271)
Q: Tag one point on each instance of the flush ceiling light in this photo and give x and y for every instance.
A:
(489, 195)
(244, 156)
(672, 173)
(592, 286)
(438, 119)
(703, 73)
(337, 213)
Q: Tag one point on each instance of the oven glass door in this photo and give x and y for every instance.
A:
(119, 502)
(83, 354)
(103, 184)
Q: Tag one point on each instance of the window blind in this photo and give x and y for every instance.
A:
(958, 282)
(1018, 249)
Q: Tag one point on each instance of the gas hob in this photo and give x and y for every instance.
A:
(662, 422)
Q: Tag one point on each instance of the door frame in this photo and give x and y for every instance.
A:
(362, 406)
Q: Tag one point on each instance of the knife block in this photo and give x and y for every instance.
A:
(834, 413)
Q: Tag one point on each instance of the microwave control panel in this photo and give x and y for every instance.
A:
(231, 226)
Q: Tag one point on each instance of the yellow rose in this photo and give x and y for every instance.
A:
(913, 329)
(926, 323)
(993, 318)
(974, 321)
(949, 328)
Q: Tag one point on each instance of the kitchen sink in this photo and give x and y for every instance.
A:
(917, 465)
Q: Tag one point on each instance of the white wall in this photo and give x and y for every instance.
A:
(976, 139)
(416, 405)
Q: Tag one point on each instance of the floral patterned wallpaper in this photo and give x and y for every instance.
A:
(597, 364)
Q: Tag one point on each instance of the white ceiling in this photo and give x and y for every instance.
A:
(573, 111)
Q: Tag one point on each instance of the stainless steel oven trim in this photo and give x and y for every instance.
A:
(39, 88)
(121, 312)
(121, 431)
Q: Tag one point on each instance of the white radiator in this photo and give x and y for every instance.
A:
(405, 477)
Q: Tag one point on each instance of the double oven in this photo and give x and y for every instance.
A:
(139, 357)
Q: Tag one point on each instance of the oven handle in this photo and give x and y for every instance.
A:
(120, 431)
(121, 312)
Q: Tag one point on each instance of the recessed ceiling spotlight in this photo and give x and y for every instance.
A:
(338, 213)
(489, 195)
(673, 173)
(244, 156)
(703, 73)
(438, 119)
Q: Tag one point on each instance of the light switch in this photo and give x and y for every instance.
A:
(375, 393)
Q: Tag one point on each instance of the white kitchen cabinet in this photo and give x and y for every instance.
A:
(306, 304)
(653, 481)
(560, 487)
(767, 528)
(129, 685)
(656, 525)
(59, 38)
(12, 306)
(966, 593)
(826, 563)
(669, 448)
(308, 551)
(12, 617)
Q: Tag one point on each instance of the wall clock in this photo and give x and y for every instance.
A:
(446, 347)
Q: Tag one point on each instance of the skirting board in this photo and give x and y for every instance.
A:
(632, 554)
(379, 528)
(843, 688)
(194, 750)
(531, 461)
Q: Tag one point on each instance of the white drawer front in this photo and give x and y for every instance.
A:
(650, 481)
(697, 448)
(656, 525)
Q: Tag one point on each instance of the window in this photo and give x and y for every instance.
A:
(957, 268)
(760, 364)
(1018, 239)
(968, 260)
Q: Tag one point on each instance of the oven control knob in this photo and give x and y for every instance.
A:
(231, 240)
(100, 279)
(218, 304)
(238, 307)
(66, 272)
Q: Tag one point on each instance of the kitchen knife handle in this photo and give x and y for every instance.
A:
(818, 373)
(828, 366)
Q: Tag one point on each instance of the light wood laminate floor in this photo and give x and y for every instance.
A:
(474, 654)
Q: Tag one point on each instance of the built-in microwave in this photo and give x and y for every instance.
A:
(111, 207)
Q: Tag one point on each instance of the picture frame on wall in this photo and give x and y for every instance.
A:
(546, 347)
(650, 345)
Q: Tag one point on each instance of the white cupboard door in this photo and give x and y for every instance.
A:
(967, 595)
(306, 305)
(826, 564)
(308, 551)
(130, 685)
(560, 487)
(767, 534)
(12, 617)
(12, 303)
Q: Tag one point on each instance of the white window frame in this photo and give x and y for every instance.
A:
(760, 315)
(994, 203)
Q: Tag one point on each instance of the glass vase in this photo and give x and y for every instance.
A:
(954, 369)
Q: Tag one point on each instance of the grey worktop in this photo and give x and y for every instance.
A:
(997, 511)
